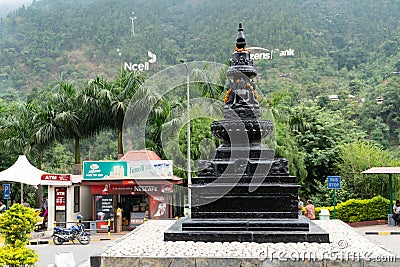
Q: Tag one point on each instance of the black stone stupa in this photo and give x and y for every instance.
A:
(242, 193)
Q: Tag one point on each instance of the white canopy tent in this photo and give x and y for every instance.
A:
(22, 171)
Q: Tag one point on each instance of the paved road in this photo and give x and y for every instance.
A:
(390, 242)
(81, 253)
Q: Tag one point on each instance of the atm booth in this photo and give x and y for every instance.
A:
(66, 199)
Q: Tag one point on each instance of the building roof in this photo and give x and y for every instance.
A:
(383, 170)
(140, 155)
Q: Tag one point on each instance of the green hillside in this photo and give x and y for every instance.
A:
(79, 39)
(332, 84)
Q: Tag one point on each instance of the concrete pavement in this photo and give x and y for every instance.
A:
(384, 236)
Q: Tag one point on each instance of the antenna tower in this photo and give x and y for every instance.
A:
(133, 25)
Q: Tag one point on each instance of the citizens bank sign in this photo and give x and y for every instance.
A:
(141, 66)
(268, 54)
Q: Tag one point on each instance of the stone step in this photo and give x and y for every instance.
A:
(245, 225)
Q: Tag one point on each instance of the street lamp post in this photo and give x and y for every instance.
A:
(189, 170)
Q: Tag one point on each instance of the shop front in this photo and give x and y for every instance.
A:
(153, 194)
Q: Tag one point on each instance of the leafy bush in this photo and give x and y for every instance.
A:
(16, 224)
(358, 210)
(17, 255)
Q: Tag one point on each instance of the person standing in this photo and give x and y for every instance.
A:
(300, 205)
(45, 211)
(310, 210)
(44, 207)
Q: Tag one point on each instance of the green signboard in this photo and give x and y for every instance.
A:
(151, 169)
(95, 170)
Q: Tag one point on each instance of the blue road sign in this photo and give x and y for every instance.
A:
(333, 182)
(6, 188)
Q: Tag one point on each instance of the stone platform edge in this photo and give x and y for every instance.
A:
(99, 261)
(144, 247)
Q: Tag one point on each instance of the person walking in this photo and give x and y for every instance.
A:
(310, 210)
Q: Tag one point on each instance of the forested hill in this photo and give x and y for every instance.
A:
(78, 39)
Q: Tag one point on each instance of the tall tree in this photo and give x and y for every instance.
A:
(356, 157)
(17, 136)
(319, 140)
(120, 97)
(69, 119)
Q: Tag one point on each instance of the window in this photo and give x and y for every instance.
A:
(77, 198)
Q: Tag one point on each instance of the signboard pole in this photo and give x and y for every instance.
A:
(334, 204)
(390, 194)
(7, 192)
(334, 183)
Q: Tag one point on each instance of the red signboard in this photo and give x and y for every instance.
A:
(56, 179)
(123, 189)
(61, 196)
(128, 182)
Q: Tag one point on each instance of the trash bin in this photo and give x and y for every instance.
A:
(324, 214)
(391, 221)
(92, 227)
(187, 210)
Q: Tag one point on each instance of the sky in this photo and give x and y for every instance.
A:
(9, 5)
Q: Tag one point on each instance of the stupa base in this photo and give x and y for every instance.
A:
(242, 230)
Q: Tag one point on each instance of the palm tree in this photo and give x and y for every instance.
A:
(300, 119)
(68, 120)
(94, 99)
(17, 133)
(163, 118)
(120, 97)
(53, 117)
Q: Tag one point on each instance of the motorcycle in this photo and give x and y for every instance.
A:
(76, 232)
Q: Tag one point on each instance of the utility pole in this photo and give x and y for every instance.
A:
(189, 169)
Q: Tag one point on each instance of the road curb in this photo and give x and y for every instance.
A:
(50, 241)
(382, 233)
(38, 242)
